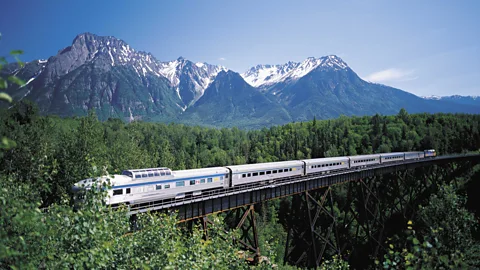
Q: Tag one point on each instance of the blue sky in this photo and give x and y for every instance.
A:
(424, 47)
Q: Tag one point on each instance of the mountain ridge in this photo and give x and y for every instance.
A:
(106, 74)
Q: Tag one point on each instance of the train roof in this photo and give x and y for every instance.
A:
(392, 154)
(201, 172)
(149, 172)
(324, 160)
(364, 156)
(112, 179)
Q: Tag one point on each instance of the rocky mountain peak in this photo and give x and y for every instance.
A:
(265, 75)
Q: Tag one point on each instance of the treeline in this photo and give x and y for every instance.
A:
(49, 154)
(53, 153)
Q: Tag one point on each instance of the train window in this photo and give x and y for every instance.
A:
(249, 175)
(274, 171)
(269, 172)
(144, 175)
(150, 174)
(221, 177)
(226, 175)
(127, 173)
(128, 191)
(209, 180)
(192, 182)
(158, 187)
(157, 173)
(180, 184)
(169, 173)
(244, 175)
(162, 173)
(138, 176)
(117, 192)
(262, 173)
(167, 186)
(202, 181)
(255, 174)
(291, 169)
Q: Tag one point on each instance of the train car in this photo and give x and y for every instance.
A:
(364, 160)
(414, 155)
(430, 153)
(264, 172)
(392, 157)
(326, 165)
(138, 186)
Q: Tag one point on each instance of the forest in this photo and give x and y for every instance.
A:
(42, 156)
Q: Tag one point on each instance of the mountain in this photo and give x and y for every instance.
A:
(263, 76)
(463, 100)
(327, 87)
(189, 79)
(230, 101)
(104, 73)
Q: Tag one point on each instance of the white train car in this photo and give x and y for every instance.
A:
(392, 157)
(326, 165)
(414, 155)
(251, 173)
(138, 186)
(364, 160)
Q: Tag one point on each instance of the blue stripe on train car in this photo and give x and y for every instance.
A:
(168, 181)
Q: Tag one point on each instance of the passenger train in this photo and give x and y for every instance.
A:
(154, 184)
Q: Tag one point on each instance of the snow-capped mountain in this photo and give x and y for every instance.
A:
(265, 75)
(432, 97)
(463, 100)
(189, 79)
(458, 97)
(89, 47)
(107, 75)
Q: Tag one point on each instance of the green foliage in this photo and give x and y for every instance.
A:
(53, 153)
(95, 237)
(422, 255)
(443, 238)
(5, 142)
(336, 263)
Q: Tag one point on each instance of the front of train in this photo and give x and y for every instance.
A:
(430, 153)
(100, 187)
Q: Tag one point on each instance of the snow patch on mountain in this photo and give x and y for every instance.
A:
(432, 97)
(454, 97)
(264, 75)
(200, 75)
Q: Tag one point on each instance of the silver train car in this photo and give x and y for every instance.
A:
(265, 172)
(154, 184)
(326, 165)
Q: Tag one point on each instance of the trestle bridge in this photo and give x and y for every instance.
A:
(323, 229)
